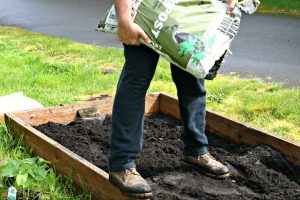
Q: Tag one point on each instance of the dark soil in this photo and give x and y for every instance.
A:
(257, 172)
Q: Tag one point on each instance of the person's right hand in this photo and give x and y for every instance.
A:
(129, 33)
(231, 5)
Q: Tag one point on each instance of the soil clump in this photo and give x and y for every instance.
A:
(258, 172)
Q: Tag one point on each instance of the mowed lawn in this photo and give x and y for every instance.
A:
(281, 4)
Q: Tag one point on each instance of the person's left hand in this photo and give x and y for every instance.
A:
(231, 5)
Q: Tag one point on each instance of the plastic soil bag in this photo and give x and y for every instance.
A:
(195, 35)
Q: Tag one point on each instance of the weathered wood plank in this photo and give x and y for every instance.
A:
(62, 114)
(169, 105)
(152, 103)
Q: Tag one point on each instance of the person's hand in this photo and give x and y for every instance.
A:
(129, 33)
(231, 5)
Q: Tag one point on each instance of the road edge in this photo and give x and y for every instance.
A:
(278, 11)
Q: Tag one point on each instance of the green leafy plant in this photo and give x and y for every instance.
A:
(28, 173)
(215, 97)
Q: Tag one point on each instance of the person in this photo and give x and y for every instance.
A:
(129, 104)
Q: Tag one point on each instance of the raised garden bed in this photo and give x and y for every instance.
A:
(257, 173)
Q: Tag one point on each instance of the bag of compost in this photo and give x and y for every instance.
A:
(195, 35)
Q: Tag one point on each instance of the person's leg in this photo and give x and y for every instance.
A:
(129, 106)
(192, 103)
(128, 120)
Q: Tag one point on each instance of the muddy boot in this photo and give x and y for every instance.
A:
(131, 183)
(207, 165)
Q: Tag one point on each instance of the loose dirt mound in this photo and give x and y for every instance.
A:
(257, 172)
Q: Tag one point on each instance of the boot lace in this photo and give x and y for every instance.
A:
(129, 172)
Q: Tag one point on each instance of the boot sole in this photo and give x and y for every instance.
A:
(139, 196)
(215, 176)
(146, 195)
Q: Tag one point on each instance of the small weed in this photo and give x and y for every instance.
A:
(28, 173)
(18, 169)
(215, 97)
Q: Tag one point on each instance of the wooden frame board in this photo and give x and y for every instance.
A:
(84, 172)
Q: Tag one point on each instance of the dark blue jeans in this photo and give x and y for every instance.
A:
(129, 105)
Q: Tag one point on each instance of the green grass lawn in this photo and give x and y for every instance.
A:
(58, 71)
(281, 4)
(285, 7)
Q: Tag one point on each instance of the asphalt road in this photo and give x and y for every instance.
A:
(266, 46)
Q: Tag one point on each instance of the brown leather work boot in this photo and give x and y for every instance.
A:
(207, 165)
(131, 183)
